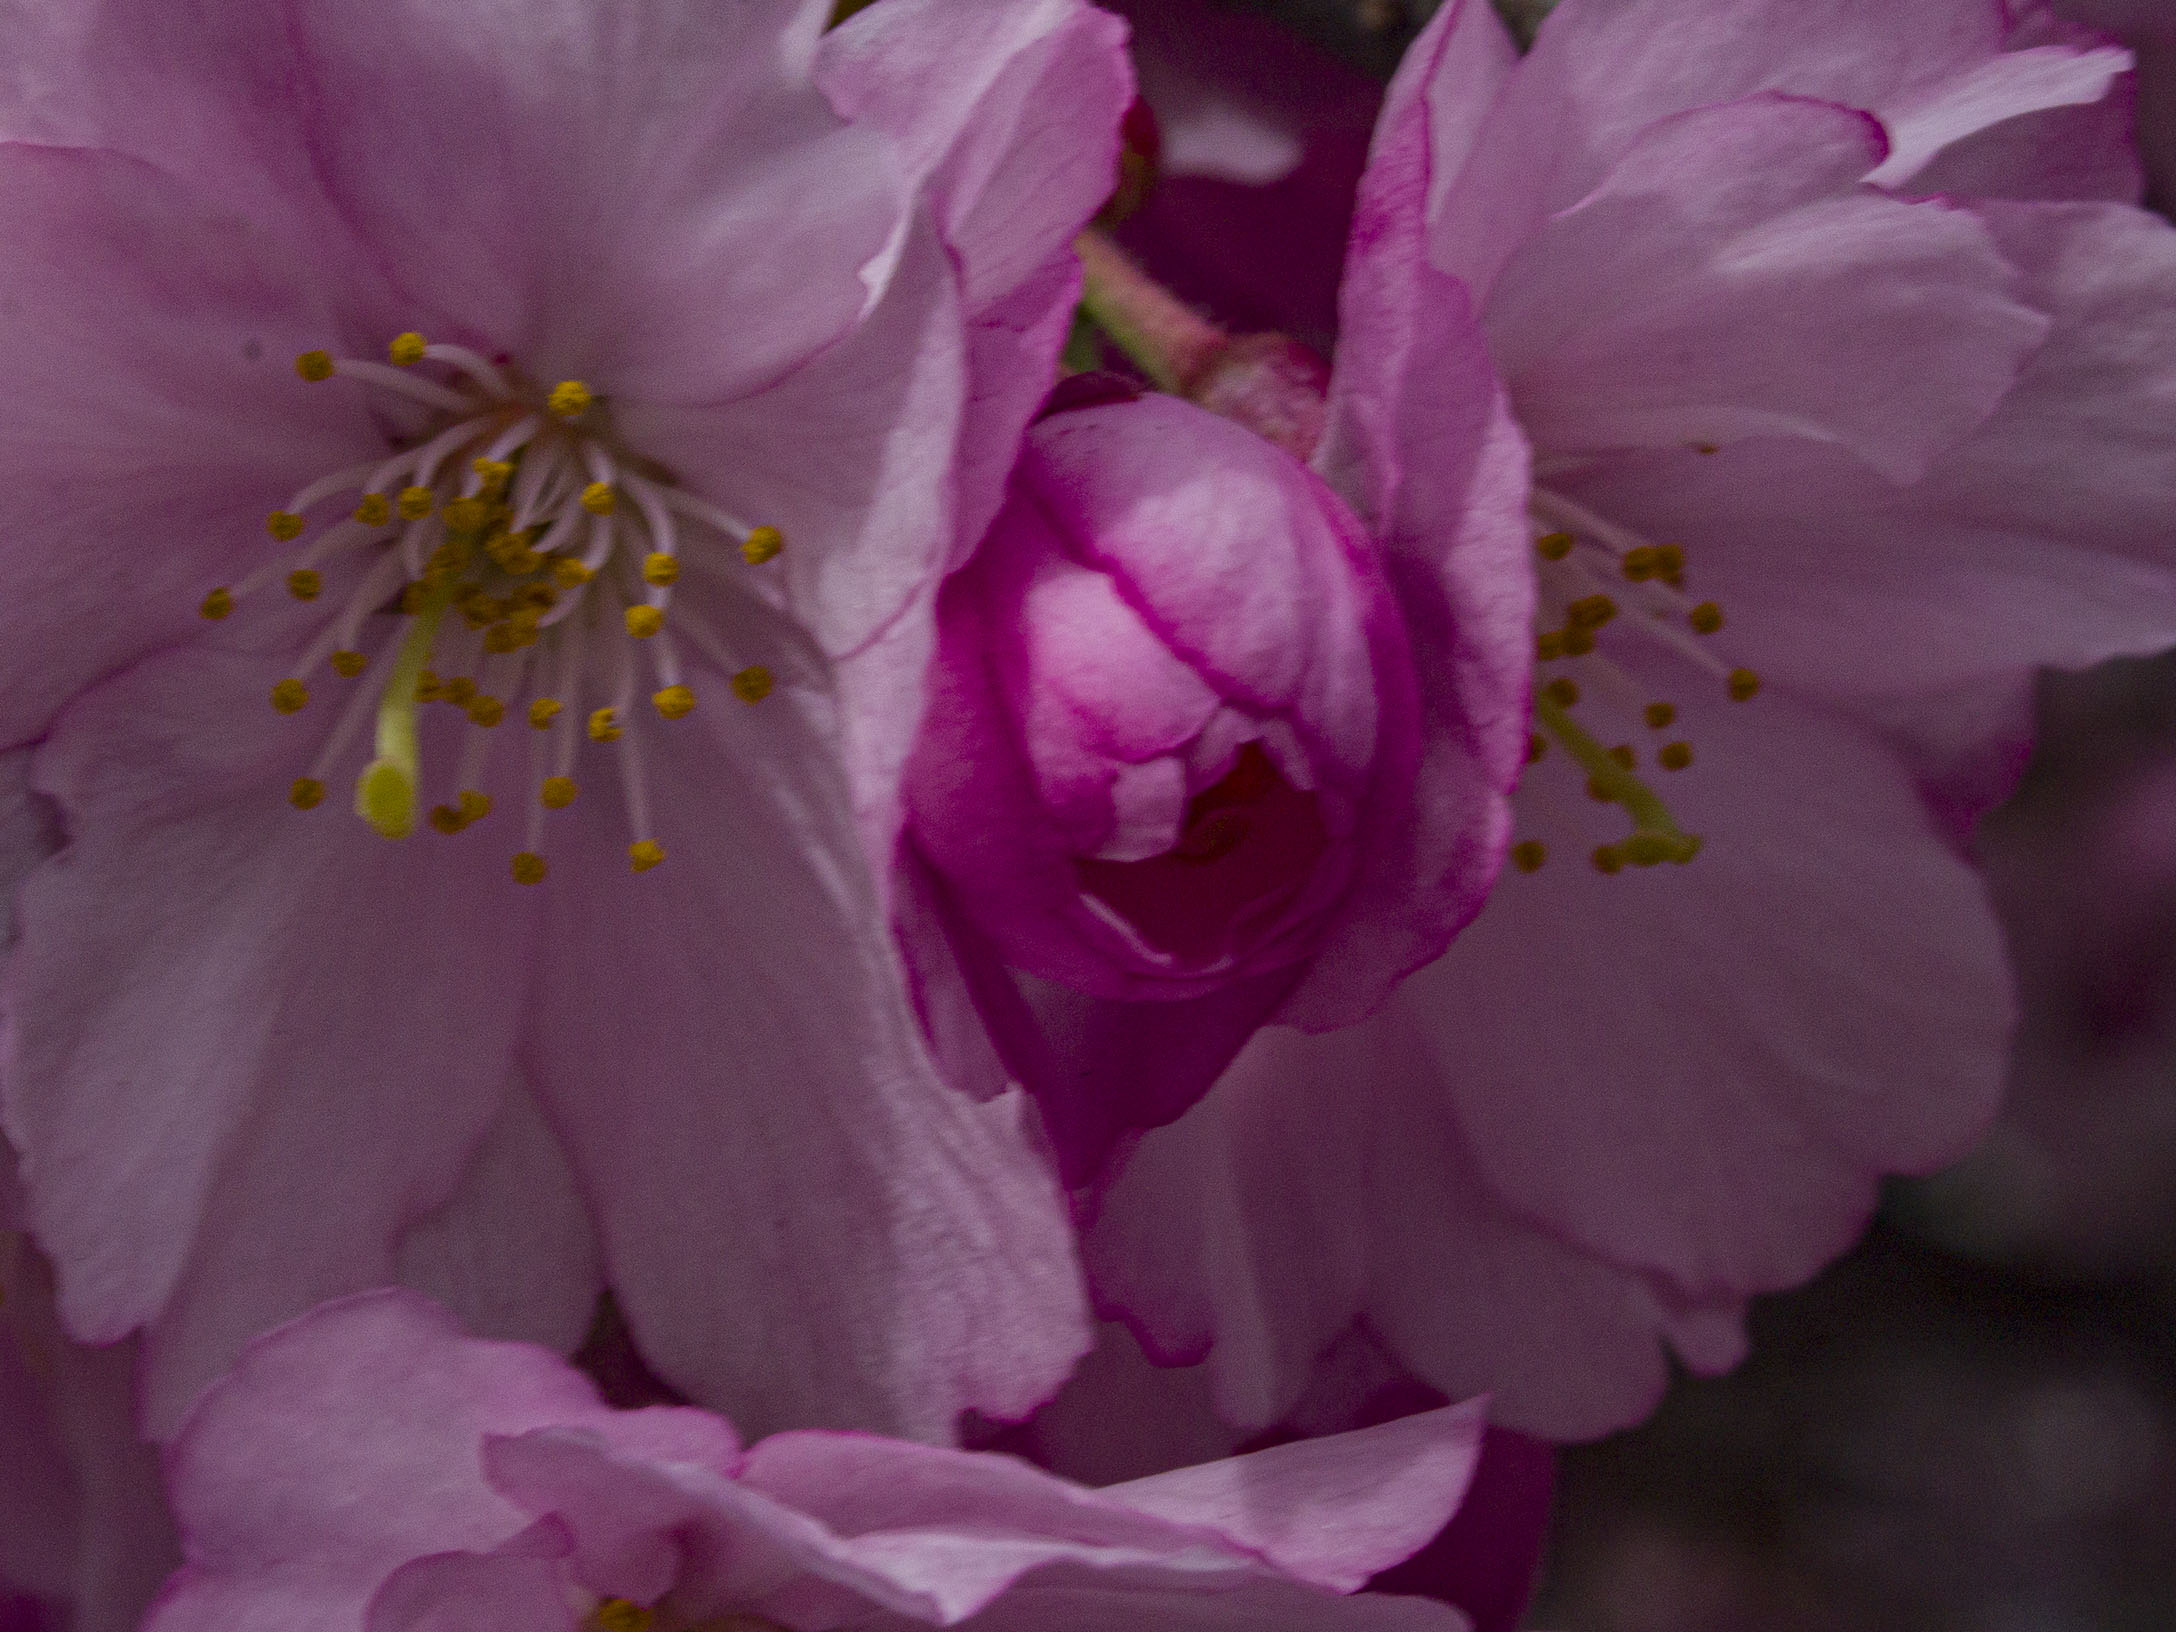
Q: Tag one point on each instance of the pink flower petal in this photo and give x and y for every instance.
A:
(1330, 1511)
(512, 1252)
(804, 1224)
(1723, 282)
(629, 186)
(1700, 1077)
(1008, 119)
(341, 1447)
(148, 341)
(196, 1154)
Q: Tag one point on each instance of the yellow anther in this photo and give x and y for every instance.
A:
(569, 573)
(284, 525)
(1743, 684)
(1647, 849)
(674, 702)
(620, 1614)
(1554, 546)
(659, 568)
(486, 711)
(541, 597)
(753, 683)
(569, 399)
(406, 349)
(1661, 715)
(557, 792)
(1670, 564)
(217, 604)
(413, 598)
(1528, 855)
(447, 819)
(604, 725)
(529, 868)
(1607, 860)
(1601, 792)
(375, 510)
(1639, 564)
(314, 366)
(307, 793)
(1549, 644)
(644, 621)
(415, 503)
(1624, 755)
(290, 695)
(494, 473)
(761, 545)
(1706, 618)
(467, 515)
(1578, 642)
(349, 664)
(475, 806)
(1590, 611)
(428, 689)
(1675, 756)
(644, 854)
(459, 691)
(1536, 746)
(598, 498)
(543, 710)
(304, 584)
(1564, 693)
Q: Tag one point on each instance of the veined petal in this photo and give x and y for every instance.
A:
(146, 340)
(632, 185)
(803, 1223)
(247, 1046)
(1007, 116)
(1725, 282)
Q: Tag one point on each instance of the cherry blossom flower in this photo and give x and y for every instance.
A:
(1171, 778)
(367, 1465)
(613, 398)
(1847, 364)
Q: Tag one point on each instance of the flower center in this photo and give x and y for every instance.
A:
(512, 557)
(1596, 576)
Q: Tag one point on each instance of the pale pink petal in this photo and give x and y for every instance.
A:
(1709, 1065)
(1263, 1607)
(341, 1447)
(632, 186)
(2009, 86)
(1421, 442)
(1007, 117)
(1329, 1511)
(157, 420)
(1723, 282)
(803, 1223)
(473, 1592)
(1012, 358)
(850, 456)
(234, 1072)
(2037, 540)
(627, 1515)
(512, 1252)
(1602, 71)
(1257, 1227)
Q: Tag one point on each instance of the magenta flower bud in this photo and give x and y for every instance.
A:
(1173, 720)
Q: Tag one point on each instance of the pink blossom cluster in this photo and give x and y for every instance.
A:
(733, 746)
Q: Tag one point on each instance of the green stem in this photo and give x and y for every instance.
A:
(1168, 340)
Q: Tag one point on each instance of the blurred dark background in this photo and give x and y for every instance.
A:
(1969, 1423)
